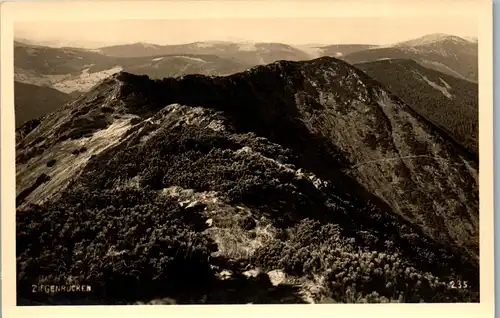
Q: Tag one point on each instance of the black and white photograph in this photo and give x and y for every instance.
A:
(286, 160)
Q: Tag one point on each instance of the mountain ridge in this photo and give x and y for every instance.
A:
(272, 146)
(453, 57)
(431, 39)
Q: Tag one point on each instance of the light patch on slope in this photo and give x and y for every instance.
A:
(85, 80)
(203, 45)
(148, 45)
(157, 59)
(31, 51)
(313, 52)
(441, 51)
(442, 89)
(68, 165)
(440, 67)
(65, 83)
(191, 58)
(429, 39)
(224, 221)
(410, 49)
(247, 46)
(444, 83)
(233, 242)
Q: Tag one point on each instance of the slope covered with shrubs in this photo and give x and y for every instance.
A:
(191, 199)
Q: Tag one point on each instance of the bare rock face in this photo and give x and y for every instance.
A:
(304, 169)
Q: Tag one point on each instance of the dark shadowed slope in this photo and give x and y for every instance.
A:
(180, 188)
(450, 55)
(33, 101)
(446, 101)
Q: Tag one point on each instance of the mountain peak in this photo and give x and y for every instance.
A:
(431, 39)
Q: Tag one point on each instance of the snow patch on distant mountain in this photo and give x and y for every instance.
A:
(247, 46)
(157, 59)
(148, 45)
(191, 58)
(425, 49)
(430, 39)
(203, 45)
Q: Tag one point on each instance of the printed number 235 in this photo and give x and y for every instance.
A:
(458, 284)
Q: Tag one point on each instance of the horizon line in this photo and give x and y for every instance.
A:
(52, 43)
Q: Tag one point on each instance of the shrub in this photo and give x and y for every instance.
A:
(114, 241)
(353, 274)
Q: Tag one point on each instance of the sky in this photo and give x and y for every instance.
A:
(294, 31)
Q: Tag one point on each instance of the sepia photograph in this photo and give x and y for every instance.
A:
(248, 160)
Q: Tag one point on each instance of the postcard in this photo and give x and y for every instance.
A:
(247, 156)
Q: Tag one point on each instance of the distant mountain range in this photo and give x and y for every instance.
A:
(340, 50)
(74, 70)
(447, 54)
(245, 52)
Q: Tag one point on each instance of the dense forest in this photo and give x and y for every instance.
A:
(451, 104)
